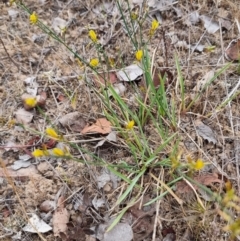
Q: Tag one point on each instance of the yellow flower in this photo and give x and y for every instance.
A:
(33, 18)
(111, 61)
(31, 102)
(198, 165)
(139, 54)
(134, 16)
(94, 63)
(92, 36)
(130, 125)
(11, 2)
(38, 153)
(154, 26)
(58, 152)
(52, 133)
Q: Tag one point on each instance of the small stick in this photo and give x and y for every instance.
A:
(13, 61)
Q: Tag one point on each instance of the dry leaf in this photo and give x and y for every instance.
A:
(60, 218)
(98, 202)
(102, 126)
(110, 137)
(36, 225)
(21, 174)
(23, 116)
(210, 25)
(121, 232)
(73, 121)
(206, 180)
(59, 24)
(119, 88)
(206, 78)
(130, 73)
(47, 206)
(23, 162)
(232, 52)
(32, 85)
(205, 132)
(111, 78)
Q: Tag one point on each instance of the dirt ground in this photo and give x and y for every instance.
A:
(32, 62)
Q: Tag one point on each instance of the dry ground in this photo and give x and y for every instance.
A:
(33, 56)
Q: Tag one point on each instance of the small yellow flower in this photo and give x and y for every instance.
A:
(31, 102)
(130, 125)
(94, 63)
(11, 2)
(52, 133)
(154, 26)
(139, 54)
(134, 16)
(33, 18)
(111, 62)
(58, 152)
(198, 165)
(38, 153)
(92, 35)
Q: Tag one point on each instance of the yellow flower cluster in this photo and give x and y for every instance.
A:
(56, 152)
(33, 18)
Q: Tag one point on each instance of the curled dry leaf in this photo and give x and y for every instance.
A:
(206, 180)
(102, 126)
(205, 132)
(60, 218)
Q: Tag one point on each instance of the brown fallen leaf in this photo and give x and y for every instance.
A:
(162, 73)
(168, 234)
(23, 116)
(73, 121)
(60, 218)
(205, 131)
(99, 80)
(141, 219)
(205, 180)
(232, 52)
(102, 126)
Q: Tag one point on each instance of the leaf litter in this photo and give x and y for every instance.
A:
(173, 16)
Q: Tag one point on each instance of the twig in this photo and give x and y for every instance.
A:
(12, 60)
